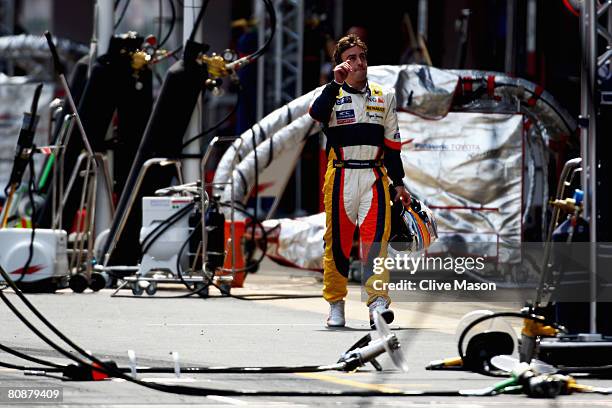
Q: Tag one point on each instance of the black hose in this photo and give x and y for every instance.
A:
(210, 282)
(263, 232)
(31, 182)
(27, 357)
(215, 126)
(161, 22)
(209, 370)
(193, 290)
(181, 389)
(499, 314)
(481, 91)
(189, 390)
(125, 7)
(30, 326)
(13, 366)
(162, 227)
(272, 14)
(194, 30)
(172, 23)
(551, 106)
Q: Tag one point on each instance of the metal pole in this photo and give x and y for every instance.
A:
(77, 117)
(298, 91)
(609, 19)
(510, 17)
(423, 16)
(531, 37)
(191, 167)
(588, 34)
(106, 25)
(278, 54)
(300, 48)
(584, 108)
(591, 9)
(91, 217)
(261, 28)
(609, 30)
(338, 18)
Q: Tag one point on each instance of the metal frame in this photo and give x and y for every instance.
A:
(567, 174)
(58, 171)
(286, 61)
(159, 276)
(88, 200)
(143, 172)
(590, 62)
(285, 64)
(100, 159)
(93, 164)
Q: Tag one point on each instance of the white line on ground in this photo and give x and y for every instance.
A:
(169, 380)
(227, 400)
(236, 324)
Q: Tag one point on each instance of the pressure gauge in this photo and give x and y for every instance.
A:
(229, 55)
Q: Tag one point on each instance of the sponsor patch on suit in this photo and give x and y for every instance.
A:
(377, 116)
(343, 100)
(345, 116)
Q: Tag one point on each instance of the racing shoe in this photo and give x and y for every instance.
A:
(336, 314)
(381, 305)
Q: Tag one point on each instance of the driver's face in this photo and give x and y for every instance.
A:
(356, 57)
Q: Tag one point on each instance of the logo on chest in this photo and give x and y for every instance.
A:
(343, 100)
(345, 116)
(374, 116)
(371, 108)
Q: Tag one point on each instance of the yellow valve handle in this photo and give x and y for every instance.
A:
(567, 204)
(139, 60)
(532, 328)
(216, 65)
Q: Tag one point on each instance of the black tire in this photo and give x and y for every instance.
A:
(78, 283)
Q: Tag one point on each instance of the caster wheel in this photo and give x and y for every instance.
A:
(78, 283)
(137, 290)
(225, 289)
(202, 289)
(151, 289)
(98, 281)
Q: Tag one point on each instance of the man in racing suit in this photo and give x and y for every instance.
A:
(363, 147)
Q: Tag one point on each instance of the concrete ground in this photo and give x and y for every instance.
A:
(232, 332)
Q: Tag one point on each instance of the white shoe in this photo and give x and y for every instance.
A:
(381, 305)
(336, 314)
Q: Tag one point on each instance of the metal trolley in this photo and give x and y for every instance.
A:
(200, 279)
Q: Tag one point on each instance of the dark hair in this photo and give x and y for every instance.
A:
(347, 42)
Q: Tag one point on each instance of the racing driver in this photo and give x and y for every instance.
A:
(363, 147)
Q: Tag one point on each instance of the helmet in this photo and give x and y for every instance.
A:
(413, 229)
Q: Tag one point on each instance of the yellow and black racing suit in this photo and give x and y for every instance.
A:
(363, 147)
